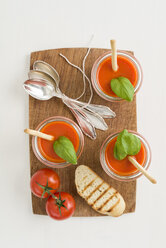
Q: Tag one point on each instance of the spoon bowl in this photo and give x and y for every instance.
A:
(44, 67)
(32, 74)
(39, 89)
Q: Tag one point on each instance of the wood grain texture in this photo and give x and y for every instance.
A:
(71, 85)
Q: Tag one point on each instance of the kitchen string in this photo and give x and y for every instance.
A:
(85, 77)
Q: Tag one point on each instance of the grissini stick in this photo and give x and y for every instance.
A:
(39, 134)
(114, 55)
(140, 168)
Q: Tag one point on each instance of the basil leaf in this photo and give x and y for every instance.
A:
(132, 143)
(126, 144)
(64, 148)
(119, 153)
(123, 88)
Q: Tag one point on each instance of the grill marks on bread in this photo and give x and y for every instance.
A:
(97, 193)
(94, 185)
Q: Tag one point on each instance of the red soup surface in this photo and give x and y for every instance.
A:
(123, 167)
(105, 73)
(57, 129)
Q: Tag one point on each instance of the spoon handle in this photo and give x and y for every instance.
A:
(102, 110)
(95, 119)
(87, 127)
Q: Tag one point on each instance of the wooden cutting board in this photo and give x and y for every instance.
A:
(71, 84)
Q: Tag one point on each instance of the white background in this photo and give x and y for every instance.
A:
(32, 25)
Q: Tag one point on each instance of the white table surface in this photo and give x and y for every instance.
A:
(27, 26)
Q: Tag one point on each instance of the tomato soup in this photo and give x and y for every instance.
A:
(105, 73)
(123, 167)
(57, 129)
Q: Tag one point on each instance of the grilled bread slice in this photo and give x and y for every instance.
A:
(98, 194)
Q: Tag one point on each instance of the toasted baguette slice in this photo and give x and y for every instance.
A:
(98, 194)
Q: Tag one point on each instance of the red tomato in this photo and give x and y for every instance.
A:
(49, 181)
(62, 208)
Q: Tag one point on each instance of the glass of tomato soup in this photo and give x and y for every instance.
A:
(123, 170)
(57, 126)
(102, 73)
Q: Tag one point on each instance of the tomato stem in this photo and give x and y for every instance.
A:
(58, 201)
(45, 188)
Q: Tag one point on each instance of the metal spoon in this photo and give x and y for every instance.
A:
(95, 119)
(47, 68)
(39, 89)
(43, 84)
(44, 90)
(102, 110)
(36, 74)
